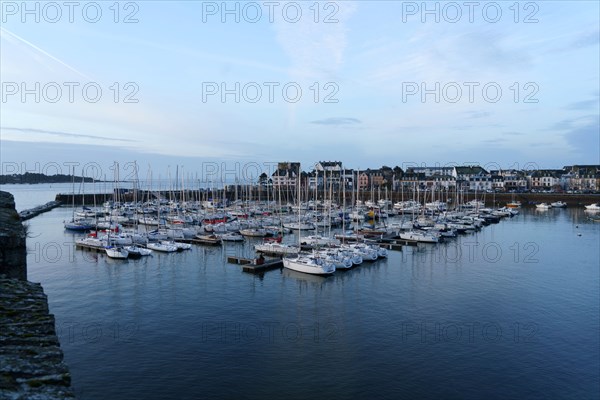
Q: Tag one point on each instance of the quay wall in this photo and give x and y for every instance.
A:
(31, 361)
(13, 250)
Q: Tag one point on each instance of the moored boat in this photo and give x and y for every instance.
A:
(137, 251)
(253, 232)
(277, 248)
(309, 265)
(209, 239)
(558, 204)
(231, 237)
(165, 248)
(116, 252)
(417, 236)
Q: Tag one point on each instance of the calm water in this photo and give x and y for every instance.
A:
(29, 196)
(510, 312)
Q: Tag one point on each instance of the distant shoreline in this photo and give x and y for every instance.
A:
(35, 178)
(39, 179)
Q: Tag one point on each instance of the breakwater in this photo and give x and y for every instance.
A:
(33, 212)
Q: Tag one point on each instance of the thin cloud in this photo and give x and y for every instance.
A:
(581, 40)
(315, 50)
(572, 123)
(587, 39)
(20, 39)
(583, 105)
(494, 141)
(64, 134)
(337, 121)
(478, 114)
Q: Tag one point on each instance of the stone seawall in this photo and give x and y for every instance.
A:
(31, 361)
(34, 212)
(13, 250)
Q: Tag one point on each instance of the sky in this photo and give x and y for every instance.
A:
(238, 86)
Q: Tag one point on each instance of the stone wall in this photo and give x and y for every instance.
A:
(31, 361)
(13, 251)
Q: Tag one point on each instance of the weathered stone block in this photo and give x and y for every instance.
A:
(13, 250)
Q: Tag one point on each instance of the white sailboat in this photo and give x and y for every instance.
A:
(319, 240)
(277, 248)
(231, 237)
(307, 264)
(165, 248)
(116, 252)
(300, 226)
(417, 236)
(135, 250)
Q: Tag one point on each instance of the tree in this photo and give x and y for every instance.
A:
(263, 179)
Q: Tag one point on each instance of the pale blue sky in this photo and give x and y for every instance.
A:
(370, 57)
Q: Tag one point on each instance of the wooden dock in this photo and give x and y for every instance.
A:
(392, 243)
(90, 248)
(389, 246)
(249, 264)
(396, 240)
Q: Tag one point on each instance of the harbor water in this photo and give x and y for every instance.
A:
(511, 311)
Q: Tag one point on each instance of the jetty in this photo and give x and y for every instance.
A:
(34, 212)
(250, 265)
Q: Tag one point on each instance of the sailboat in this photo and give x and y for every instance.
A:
(323, 240)
(137, 251)
(78, 224)
(309, 264)
(116, 252)
(273, 245)
(113, 251)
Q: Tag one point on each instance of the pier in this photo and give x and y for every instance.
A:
(97, 249)
(249, 264)
(392, 243)
(34, 212)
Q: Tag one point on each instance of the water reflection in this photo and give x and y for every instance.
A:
(355, 318)
(305, 280)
